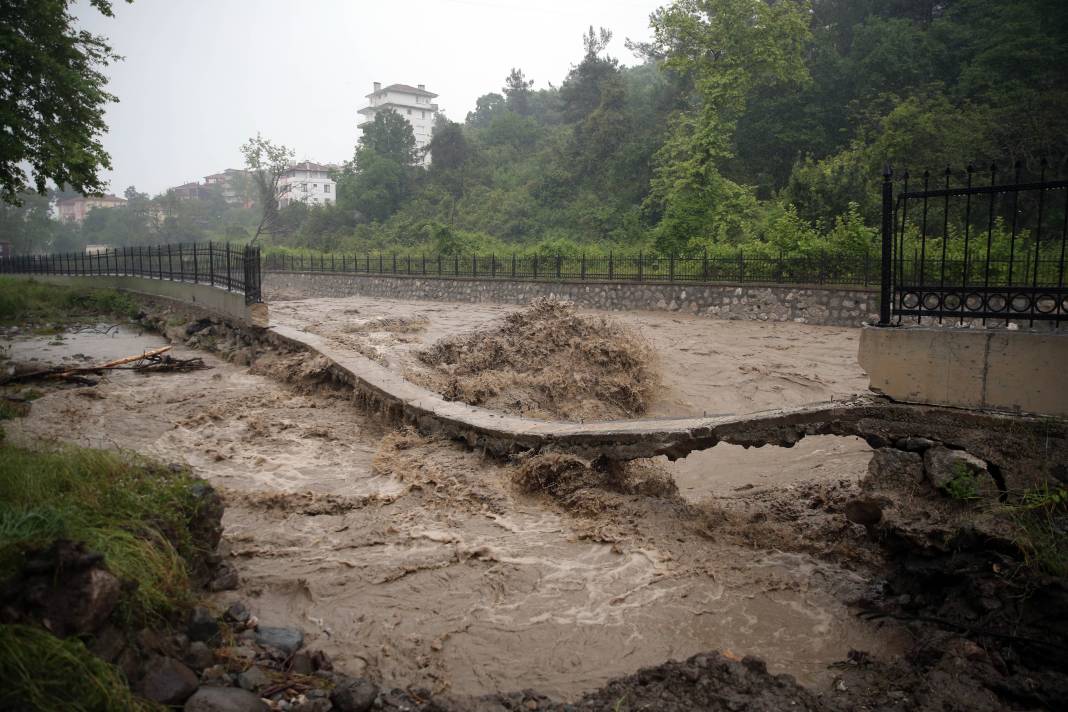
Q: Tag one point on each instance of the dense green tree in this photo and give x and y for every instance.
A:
(52, 98)
(517, 92)
(390, 136)
(487, 107)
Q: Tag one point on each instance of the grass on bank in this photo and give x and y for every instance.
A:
(133, 511)
(42, 672)
(28, 302)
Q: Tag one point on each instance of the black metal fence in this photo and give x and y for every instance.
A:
(222, 265)
(859, 270)
(970, 245)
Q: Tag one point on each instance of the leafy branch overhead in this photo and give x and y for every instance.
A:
(52, 99)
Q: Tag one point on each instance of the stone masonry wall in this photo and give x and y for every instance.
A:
(838, 306)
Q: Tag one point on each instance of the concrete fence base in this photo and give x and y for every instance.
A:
(996, 369)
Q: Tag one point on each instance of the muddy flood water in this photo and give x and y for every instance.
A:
(421, 563)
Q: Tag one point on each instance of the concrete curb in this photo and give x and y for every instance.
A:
(879, 421)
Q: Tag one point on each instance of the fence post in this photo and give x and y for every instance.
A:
(394, 263)
(170, 263)
(181, 265)
(611, 266)
(559, 264)
(741, 265)
(671, 266)
(781, 266)
(493, 265)
(866, 262)
(513, 265)
(474, 265)
(211, 264)
(228, 285)
(196, 267)
(888, 229)
(535, 266)
(583, 266)
(704, 265)
(159, 261)
(641, 265)
(823, 266)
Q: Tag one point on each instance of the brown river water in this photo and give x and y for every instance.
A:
(419, 562)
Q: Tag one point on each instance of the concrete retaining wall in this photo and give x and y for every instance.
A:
(969, 368)
(213, 299)
(839, 306)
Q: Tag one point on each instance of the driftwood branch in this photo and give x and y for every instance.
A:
(154, 361)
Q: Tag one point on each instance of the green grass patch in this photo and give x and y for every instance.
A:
(27, 301)
(1041, 515)
(133, 511)
(42, 672)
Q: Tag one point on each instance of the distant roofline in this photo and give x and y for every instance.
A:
(404, 88)
(76, 198)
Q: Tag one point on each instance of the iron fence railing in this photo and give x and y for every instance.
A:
(855, 270)
(975, 248)
(222, 265)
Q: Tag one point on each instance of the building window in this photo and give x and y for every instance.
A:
(326, 187)
(409, 112)
(422, 114)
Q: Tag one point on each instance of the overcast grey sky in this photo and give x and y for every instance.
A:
(199, 78)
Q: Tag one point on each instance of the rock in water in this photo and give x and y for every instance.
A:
(354, 695)
(168, 681)
(224, 699)
(288, 640)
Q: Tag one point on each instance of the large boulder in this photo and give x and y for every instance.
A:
(224, 699)
(168, 681)
(893, 467)
(354, 695)
(288, 640)
(956, 472)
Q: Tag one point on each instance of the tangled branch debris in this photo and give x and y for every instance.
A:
(154, 361)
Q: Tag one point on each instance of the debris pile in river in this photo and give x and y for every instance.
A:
(547, 361)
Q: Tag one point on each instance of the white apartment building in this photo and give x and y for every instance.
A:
(413, 103)
(306, 182)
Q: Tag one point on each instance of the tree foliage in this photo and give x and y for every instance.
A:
(52, 99)
(266, 162)
(390, 136)
(761, 125)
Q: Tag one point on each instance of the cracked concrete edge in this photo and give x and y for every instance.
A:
(997, 437)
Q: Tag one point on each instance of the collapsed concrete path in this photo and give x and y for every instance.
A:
(1017, 447)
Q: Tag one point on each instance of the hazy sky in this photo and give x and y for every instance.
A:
(199, 78)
